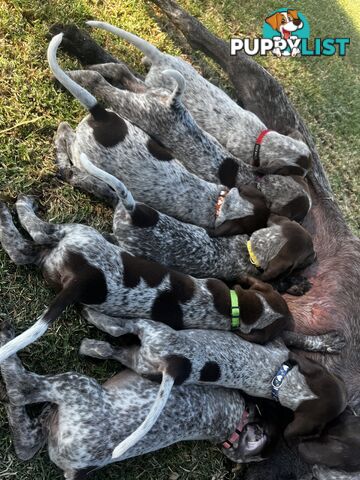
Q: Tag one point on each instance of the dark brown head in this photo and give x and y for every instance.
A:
(338, 446)
(281, 248)
(264, 313)
(311, 417)
(244, 210)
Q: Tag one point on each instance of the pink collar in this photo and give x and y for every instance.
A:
(256, 153)
(234, 437)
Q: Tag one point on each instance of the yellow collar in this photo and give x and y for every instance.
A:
(252, 255)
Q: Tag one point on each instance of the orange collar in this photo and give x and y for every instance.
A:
(220, 202)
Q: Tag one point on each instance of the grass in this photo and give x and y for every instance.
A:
(325, 91)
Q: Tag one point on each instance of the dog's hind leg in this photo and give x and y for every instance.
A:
(64, 138)
(43, 233)
(114, 326)
(120, 76)
(20, 250)
(103, 350)
(28, 434)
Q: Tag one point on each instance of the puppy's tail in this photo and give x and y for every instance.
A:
(122, 192)
(149, 50)
(155, 411)
(84, 97)
(180, 81)
(64, 298)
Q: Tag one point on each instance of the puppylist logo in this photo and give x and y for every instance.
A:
(286, 32)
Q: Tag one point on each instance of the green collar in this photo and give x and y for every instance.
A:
(235, 310)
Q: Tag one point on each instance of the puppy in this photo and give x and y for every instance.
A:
(239, 131)
(160, 115)
(85, 268)
(150, 170)
(282, 247)
(83, 420)
(222, 359)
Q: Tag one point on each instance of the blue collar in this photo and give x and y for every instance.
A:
(279, 378)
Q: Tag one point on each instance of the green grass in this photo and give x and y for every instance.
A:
(325, 91)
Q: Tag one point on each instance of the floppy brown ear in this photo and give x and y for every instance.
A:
(274, 20)
(229, 227)
(293, 13)
(275, 219)
(337, 447)
(276, 267)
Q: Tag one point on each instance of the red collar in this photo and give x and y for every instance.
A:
(234, 437)
(259, 140)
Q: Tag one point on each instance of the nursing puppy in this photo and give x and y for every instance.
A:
(239, 131)
(222, 359)
(167, 119)
(282, 247)
(150, 170)
(85, 268)
(84, 420)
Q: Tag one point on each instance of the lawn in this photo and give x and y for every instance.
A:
(326, 91)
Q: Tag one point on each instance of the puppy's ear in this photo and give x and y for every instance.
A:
(277, 266)
(274, 20)
(276, 220)
(337, 447)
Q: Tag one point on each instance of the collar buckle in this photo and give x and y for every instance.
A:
(277, 381)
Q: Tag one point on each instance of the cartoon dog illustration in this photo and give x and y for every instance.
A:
(286, 23)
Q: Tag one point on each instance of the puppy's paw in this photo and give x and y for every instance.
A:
(95, 349)
(333, 342)
(27, 201)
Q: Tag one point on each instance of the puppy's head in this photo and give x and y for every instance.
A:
(243, 211)
(286, 196)
(311, 416)
(338, 446)
(284, 154)
(259, 437)
(281, 248)
(264, 314)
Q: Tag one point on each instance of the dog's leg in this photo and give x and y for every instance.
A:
(114, 326)
(103, 350)
(43, 233)
(64, 137)
(20, 250)
(95, 84)
(119, 74)
(332, 342)
(28, 434)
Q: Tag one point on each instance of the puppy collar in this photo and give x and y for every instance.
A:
(253, 257)
(259, 140)
(279, 378)
(235, 310)
(220, 201)
(234, 437)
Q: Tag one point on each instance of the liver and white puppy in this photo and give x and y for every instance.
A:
(168, 120)
(239, 131)
(222, 359)
(84, 420)
(280, 248)
(151, 171)
(85, 268)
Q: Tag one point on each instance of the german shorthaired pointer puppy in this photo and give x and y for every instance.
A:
(84, 420)
(150, 170)
(282, 247)
(167, 119)
(222, 359)
(85, 268)
(239, 131)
